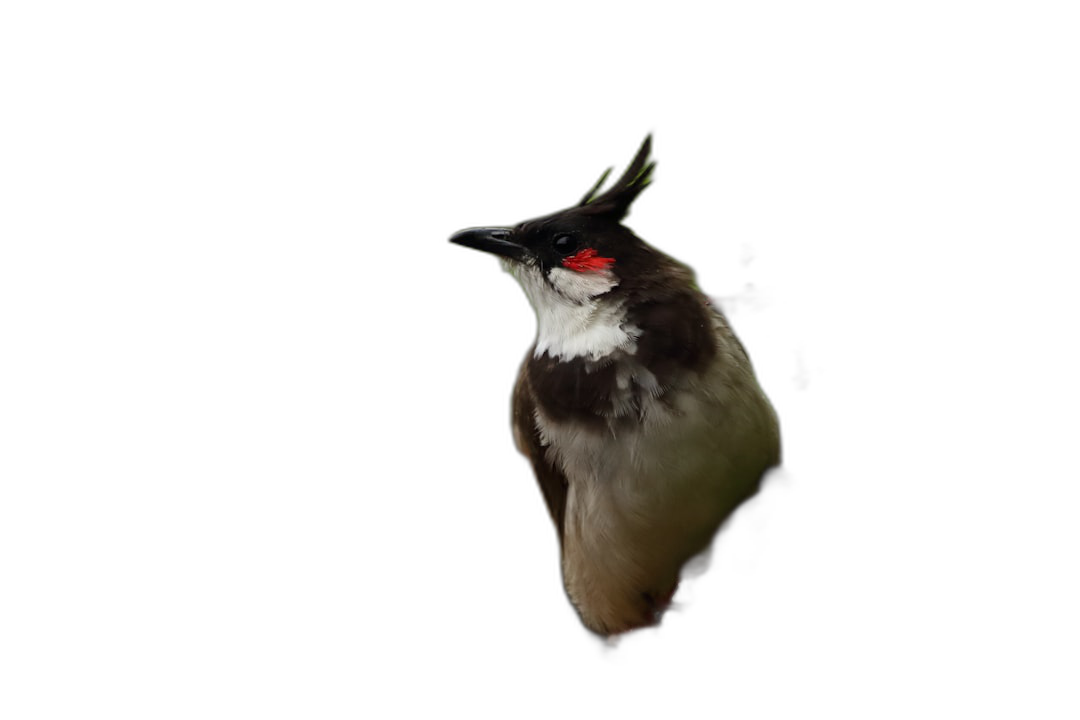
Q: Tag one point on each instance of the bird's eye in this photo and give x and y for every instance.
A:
(564, 244)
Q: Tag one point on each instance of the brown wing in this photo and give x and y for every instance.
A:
(552, 482)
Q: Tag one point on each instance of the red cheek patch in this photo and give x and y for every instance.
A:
(587, 261)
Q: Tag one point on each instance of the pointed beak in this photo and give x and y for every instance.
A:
(495, 240)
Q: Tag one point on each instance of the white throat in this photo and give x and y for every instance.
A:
(573, 319)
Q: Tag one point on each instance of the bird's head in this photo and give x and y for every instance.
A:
(577, 256)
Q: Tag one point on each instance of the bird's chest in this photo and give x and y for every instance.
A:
(643, 460)
(631, 467)
(612, 428)
(642, 500)
(638, 455)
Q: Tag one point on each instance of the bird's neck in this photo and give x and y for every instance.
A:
(593, 330)
(577, 314)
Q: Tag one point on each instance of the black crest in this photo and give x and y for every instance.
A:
(615, 201)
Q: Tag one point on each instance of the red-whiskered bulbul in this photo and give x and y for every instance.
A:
(637, 405)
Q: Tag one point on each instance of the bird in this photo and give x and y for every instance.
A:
(637, 406)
